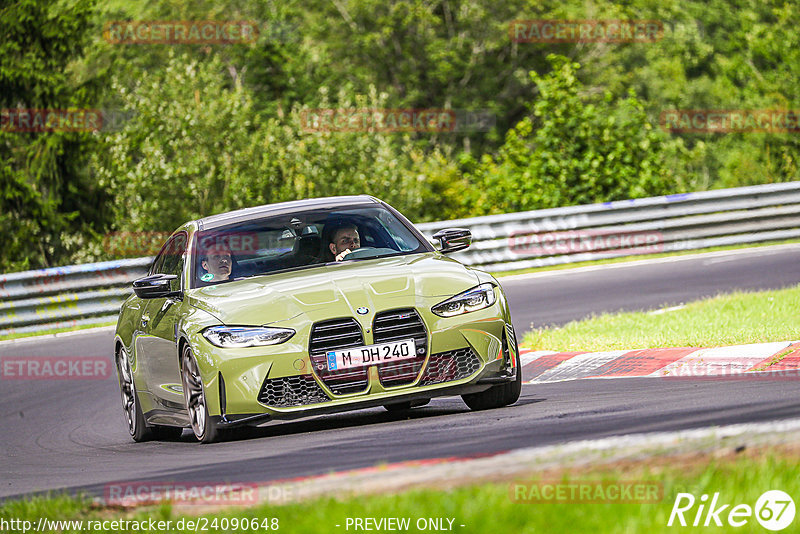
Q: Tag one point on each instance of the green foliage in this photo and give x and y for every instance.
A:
(185, 149)
(576, 149)
(195, 147)
(218, 127)
(452, 53)
(48, 200)
(723, 54)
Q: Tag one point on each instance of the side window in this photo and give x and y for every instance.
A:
(157, 264)
(170, 260)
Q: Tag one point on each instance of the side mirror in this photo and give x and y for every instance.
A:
(453, 239)
(154, 287)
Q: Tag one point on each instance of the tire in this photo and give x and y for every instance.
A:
(499, 395)
(204, 428)
(137, 426)
(407, 405)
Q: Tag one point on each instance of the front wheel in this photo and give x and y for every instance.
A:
(499, 395)
(204, 428)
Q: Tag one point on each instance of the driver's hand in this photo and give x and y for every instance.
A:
(342, 254)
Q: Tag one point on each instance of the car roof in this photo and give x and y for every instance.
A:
(281, 208)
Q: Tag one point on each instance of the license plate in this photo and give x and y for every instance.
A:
(371, 354)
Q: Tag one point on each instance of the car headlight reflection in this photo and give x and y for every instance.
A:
(474, 299)
(246, 336)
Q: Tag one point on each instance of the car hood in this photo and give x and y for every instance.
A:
(335, 290)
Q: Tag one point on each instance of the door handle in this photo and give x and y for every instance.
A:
(145, 320)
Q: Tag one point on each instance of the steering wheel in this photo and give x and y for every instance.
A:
(366, 252)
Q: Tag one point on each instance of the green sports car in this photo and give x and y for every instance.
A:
(303, 308)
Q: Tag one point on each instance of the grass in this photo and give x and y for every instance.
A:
(638, 257)
(731, 319)
(489, 507)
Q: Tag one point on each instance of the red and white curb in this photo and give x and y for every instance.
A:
(776, 360)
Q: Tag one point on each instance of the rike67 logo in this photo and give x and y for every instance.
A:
(774, 510)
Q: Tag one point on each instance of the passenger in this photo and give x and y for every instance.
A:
(217, 262)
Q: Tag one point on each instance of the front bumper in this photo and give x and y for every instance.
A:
(482, 382)
(253, 385)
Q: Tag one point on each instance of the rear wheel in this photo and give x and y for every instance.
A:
(137, 427)
(499, 395)
(204, 428)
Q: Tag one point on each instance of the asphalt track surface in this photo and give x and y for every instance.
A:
(71, 434)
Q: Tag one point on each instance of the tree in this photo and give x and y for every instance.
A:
(48, 199)
(194, 147)
(574, 149)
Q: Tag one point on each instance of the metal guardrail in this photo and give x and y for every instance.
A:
(78, 294)
(68, 296)
(658, 224)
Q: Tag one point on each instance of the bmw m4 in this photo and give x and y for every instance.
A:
(303, 308)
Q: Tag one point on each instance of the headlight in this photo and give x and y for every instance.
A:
(246, 336)
(475, 299)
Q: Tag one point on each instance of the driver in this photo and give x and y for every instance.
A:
(217, 263)
(344, 240)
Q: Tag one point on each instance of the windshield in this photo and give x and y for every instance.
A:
(300, 240)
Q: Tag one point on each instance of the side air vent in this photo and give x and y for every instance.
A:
(291, 391)
(449, 366)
